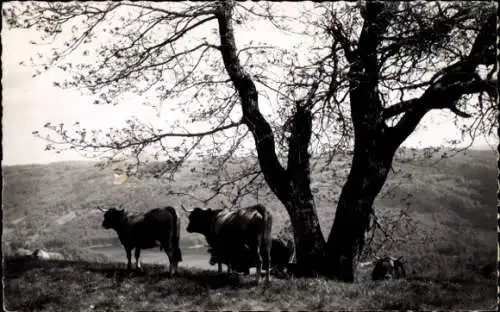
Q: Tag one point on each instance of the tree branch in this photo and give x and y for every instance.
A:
(197, 10)
(130, 141)
(273, 171)
(434, 98)
(444, 97)
(375, 24)
(301, 130)
(483, 49)
(365, 101)
(338, 33)
(399, 108)
(440, 29)
(447, 87)
(139, 65)
(298, 155)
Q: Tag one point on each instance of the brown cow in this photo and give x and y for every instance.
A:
(230, 231)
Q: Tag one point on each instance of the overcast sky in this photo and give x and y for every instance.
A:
(28, 103)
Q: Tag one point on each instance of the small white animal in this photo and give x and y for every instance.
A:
(47, 255)
(21, 252)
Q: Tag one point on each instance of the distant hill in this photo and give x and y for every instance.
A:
(431, 202)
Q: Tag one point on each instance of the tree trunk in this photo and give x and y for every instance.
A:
(290, 185)
(309, 241)
(369, 170)
(299, 201)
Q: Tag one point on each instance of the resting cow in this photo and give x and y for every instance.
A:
(388, 268)
(157, 227)
(21, 252)
(41, 254)
(229, 231)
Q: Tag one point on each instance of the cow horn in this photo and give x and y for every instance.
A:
(100, 209)
(185, 209)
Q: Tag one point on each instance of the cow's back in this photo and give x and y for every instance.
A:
(160, 216)
(154, 225)
(240, 221)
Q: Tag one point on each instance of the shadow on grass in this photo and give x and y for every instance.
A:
(15, 267)
(151, 273)
(77, 285)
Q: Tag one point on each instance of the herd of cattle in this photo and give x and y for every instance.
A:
(240, 239)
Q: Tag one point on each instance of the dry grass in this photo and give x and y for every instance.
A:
(88, 286)
(445, 229)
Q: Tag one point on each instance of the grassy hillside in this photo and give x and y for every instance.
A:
(69, 286)
(439, 214)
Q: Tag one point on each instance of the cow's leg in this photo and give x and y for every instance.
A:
(175, 266)
(172, 266)
(267, 261)
(170, 244)
(137, 255)
(220, 255)
(267, 240)
(129, 258)
(255, 251)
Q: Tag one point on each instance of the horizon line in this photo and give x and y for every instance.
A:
(91, 160)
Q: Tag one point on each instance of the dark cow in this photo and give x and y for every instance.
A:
(240, 259)
(157, 227)
(388, 268)
(281, 256)
(229, 232)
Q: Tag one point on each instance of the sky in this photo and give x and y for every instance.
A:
(28, 103)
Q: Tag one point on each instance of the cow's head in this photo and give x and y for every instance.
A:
(40, 254)
(213, 257)
(112, 218)
(200, 220)
(386, 266)
(399, 269)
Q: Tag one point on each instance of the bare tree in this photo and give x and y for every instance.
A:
(371, 73)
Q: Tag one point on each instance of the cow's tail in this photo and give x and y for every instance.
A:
(176, 236)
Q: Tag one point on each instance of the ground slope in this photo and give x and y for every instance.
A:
(440, 214)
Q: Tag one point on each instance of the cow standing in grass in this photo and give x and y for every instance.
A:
(230, 231)
(157, 227)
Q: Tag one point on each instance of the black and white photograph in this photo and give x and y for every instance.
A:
(249, 155)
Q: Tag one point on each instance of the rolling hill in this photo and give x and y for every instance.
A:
(442, 201)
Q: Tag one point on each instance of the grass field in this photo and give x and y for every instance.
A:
(440, 213)
(80, 286)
